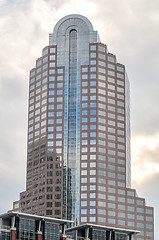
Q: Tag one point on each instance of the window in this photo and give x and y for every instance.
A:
(101, 70)
(111, 58)
(112, 213)
(120, 69)
(101, 77)
(93, 62)
(83, 211)
(92, 195)
(92, 203)
(93, 69)
(83, 219)
(93, 47)
(83, 188)
(111, 221)
(101, 204)
(111, 198)
(84, 172)
(140, 225)
(92, 211)
(149, 211)
(111, 66)
(101, 63)
(121, 222)
(84, 69)
(140, 217)
(48, 212)
(140, 202)
(101, 84)
(83, 203)
(101, 219)
(92, 172)
(101, 49)
(101, 56)
(93, 55)
(131, 209)
(92, 83)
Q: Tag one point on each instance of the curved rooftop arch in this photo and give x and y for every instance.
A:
(73, 21)
(71, 18)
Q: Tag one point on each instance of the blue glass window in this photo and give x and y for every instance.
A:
(59, 78)
(59, 92)
(59, 99)
(84, 84)
(84, 105)
(50, 129)
(93, 119)
(84, 134)
(93, 97)
(58, 120)
(92, 134)
(92, 105)
(92, 127)
(92, 112)
(51, 99)
(92, 83)
(84, 98)
(58, 135)
(59, 114)
(51, 92)
(51, 85)
(84, 90)
(52, 71)
(84, 112)
(58, 128)
(59, 106)
(84, 127)
(51, 107)
(50, 136)
(50, 121)
(83, 203)
(50, 114)
(59, 85)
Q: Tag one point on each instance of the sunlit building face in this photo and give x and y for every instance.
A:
(78, 164)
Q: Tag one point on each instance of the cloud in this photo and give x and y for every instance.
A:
(145, 170)
(129, 28)
(149, 190)
(145, 152)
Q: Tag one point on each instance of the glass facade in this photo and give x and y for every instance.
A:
(26, 229)
(73, 174)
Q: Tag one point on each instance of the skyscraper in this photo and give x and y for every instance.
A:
(78, 156)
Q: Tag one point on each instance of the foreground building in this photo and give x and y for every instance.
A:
(22, 226)
(78, 159)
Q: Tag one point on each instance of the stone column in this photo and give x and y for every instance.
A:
(13, 233)
(63, 237)
(39, 235)
(86, 233)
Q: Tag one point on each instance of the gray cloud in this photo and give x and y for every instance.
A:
(148, 155)
(148, 189)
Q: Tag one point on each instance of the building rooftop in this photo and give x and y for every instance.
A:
(101, 227)
(36, 217)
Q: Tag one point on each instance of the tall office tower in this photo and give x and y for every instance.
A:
(78, 164)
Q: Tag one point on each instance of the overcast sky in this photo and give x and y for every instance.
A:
(130, 28)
